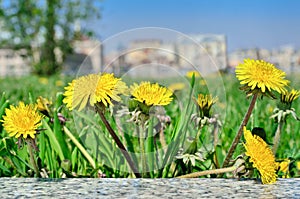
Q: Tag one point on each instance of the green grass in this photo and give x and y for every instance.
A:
(87, 150)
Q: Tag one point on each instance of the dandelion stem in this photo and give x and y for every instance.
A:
(143, 158)
(118, 141)
(240, 131)
(33, 161)
(215, 134)
(142, 146)
(277, 137)
(208, 172)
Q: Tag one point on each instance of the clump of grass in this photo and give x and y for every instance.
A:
(78, 144)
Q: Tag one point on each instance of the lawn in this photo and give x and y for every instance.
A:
(78, 144)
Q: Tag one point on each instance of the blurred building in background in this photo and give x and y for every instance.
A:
(206, 53)
(87, 57)
(154, 57)
(286, 58)
(13, 62)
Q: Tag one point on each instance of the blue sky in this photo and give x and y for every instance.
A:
(247, 24)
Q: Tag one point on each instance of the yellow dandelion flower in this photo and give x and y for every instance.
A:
(59, 83)
(260, 76)
(151, 94)
(109, 88)
(298, 165)
(43, 104)
(22, 120)
(176, 86)
(93, 88)
(190, 74)
(283, 167)
(205, 103)
(43, 80)
(261, 156)
(289, 97)
(202, 82)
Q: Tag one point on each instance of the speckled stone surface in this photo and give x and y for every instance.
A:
(146, 188)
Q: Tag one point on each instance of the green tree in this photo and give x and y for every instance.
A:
(44, 28)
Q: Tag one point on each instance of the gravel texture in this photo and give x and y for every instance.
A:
(146, 188)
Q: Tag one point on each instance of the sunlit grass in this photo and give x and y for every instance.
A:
(59, 156)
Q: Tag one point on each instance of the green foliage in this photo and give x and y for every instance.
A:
(43, 27)
(82, 146)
